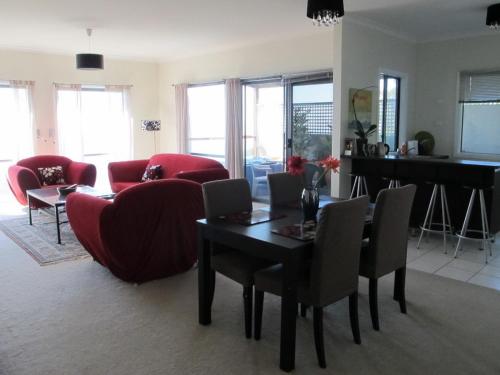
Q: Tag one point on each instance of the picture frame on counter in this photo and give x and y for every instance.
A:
(349, 147)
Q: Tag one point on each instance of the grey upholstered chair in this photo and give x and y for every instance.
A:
(333, 271)
(226, 197)
(285, 189)
(385, 252)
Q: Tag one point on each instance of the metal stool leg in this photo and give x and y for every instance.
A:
(465, 226)
(429, 209)
(486, 227)
(354, 187)
(443, 216)
(365, 185)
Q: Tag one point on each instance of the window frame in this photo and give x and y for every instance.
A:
(382, 136)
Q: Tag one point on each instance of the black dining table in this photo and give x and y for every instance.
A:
(258, 240)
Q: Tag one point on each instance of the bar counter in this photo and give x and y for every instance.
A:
(457, 174)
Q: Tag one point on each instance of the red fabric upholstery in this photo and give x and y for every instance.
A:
(148, 232)
(127, 173)
(24, 175)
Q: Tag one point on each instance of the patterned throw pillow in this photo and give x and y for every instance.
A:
(152, 172)
(52, 175)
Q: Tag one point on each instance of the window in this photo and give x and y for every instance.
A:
(389, 104)
(94, 125)
(480, 113)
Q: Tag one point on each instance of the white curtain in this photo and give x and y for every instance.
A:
(234, 128)
(182, 116)
(69, 120)
(17, 120)
(119, 117)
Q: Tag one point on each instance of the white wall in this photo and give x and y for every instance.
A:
(301, 54)
(363, 55)
(438, 66)
(46, 69)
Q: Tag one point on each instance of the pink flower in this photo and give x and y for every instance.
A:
(331, 163)
(296, 165)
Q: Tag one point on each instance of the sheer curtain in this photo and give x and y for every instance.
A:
(119, 118)
(234, 128)
(69, 120)
(182, 116)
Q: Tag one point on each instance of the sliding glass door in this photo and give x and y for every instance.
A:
(264, 133)
(310, 126)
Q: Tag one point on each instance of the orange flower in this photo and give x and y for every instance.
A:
(331, 163)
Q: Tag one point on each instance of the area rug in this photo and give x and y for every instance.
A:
(40, 239)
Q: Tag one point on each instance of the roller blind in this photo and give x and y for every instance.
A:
(479, 87)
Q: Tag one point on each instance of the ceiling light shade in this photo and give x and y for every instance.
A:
(89, 61)
(493, 16)
(325, 12)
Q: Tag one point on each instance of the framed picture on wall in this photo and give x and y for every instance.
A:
(363, 101)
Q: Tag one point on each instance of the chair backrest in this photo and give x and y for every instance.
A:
(337, 248)
(285, 189)
(389, 234)
(45, 161)
(226, 197)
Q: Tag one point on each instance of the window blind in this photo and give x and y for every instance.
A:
(479, 87)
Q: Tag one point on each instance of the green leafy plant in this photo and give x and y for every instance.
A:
(362, 133)
(301, 136)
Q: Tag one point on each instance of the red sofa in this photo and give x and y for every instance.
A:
(148, 232)
(125, 174)
(24, 175)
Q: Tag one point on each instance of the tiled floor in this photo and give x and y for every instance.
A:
(469, 267)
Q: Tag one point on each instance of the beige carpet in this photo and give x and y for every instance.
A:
(75, 318)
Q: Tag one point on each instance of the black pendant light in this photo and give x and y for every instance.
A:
(493, 17)
(89, 61)
(325, 12)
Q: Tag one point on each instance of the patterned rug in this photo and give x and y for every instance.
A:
(40, 239)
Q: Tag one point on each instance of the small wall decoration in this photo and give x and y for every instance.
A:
(151, 125)
(363, 102)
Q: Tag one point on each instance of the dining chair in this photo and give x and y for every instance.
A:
(331, 274)
(222, 198)
(285, 189)
(385, 250)
(260, 173)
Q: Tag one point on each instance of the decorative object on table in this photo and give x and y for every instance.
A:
(372, 149)
(151, 126)
(310, 194)
(152, 173)
(65, 190)
(302, 232)
(382, 149)
(349, 147)
(253, 217)
(412, 148)
(493, 17)
(89, 61)
(426, 143)
(325, 12)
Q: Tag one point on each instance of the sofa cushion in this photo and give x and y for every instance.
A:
(152, 172)
(51, 175)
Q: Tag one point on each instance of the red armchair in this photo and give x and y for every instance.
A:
(24, 175)
(129, 173)
(148, 232)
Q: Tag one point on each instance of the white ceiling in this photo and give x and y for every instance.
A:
(171, 29)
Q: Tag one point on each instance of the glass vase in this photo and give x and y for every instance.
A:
(310, 204)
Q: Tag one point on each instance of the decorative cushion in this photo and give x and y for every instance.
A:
(152, 172)
(51, 175)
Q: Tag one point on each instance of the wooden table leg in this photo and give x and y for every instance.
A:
(288, 314)
(204, 282)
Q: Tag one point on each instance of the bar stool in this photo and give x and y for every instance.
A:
(359, 188)
(482, 235)
(445, 227)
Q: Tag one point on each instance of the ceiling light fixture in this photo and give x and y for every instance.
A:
(493, 17)
(325, 12)
(89, 61)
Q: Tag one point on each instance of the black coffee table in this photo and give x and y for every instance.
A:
(54, 201)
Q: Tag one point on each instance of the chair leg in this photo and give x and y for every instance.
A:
(212, 287)
(303, 310)
(373, 303)
(259, 306)
(399, 285)
(318, 335)
(247, 302)
(353, 315)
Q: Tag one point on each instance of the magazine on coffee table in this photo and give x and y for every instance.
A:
(252, 218)
(302, 232)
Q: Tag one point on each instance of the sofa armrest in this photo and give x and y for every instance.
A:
(126, 171)
(81, 173)
(84, 215)
(204, 175)
(21, 179)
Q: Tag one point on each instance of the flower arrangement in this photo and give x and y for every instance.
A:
(296, 166)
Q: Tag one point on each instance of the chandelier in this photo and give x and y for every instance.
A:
(493, 17)
(325, 12)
